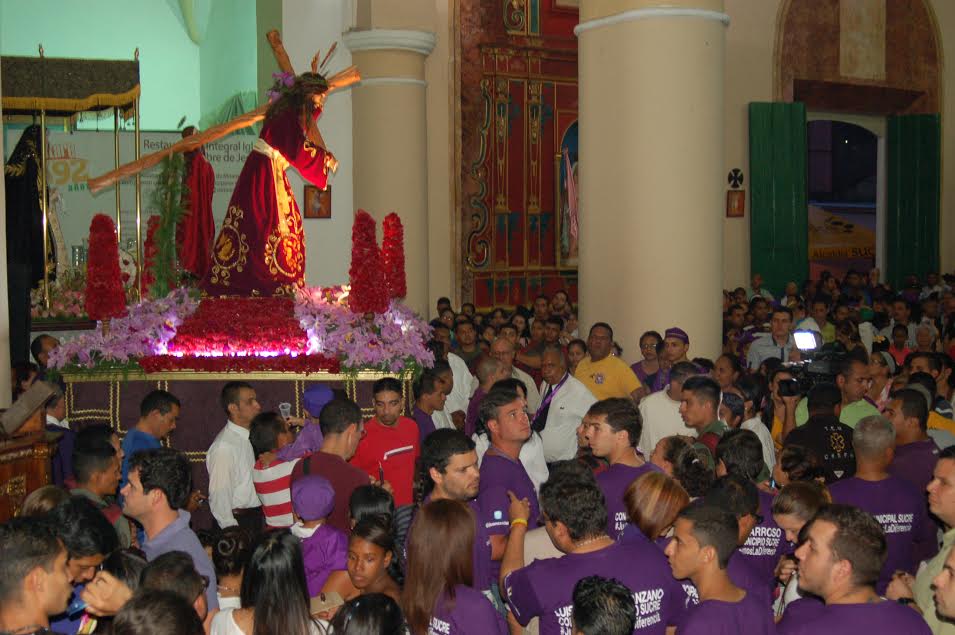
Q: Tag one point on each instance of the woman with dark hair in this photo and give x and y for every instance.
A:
(230, 555)
(439, 596)
(370, 500)
(372, 561)
(750, 387)
(576, 351)
(727, 370)
(650, 347)
(653, 502)
(667, 452)
(796, 463)
(778, 408)
(23, 376)
(274, 592)
(793, 508)
(371, 614)
(694, 470)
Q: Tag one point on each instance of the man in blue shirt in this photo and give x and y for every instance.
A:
(158, 413)
(159, 486)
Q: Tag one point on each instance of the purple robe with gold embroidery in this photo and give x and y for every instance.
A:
(260, 249)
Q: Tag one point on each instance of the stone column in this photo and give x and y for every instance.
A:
(389, 131)
(4, 300)
(651, 163)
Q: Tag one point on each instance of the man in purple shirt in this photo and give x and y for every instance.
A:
(740, 453)
(158, 487)
(895, 504)
(603, 606)
(740, 497)
(840, 562)
(915, 452)
(448, 468)
(704, 538)
(502, 472)
(489, 371)
(429, 396)
(575, 517)
(613, 428)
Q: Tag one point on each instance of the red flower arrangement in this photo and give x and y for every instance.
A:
(150, 252)
(368, 291)
(105, 297)
(393, 256)
(241, 327)
(301, 364)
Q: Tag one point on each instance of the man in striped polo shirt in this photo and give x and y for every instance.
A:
(272, 476)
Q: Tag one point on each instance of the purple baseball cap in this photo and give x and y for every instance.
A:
(677, 333)
(313, 497)
(315, 398)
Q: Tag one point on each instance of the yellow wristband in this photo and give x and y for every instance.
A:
(519, 521)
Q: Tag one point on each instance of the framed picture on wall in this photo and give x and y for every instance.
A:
(318, 203)
(735, 203)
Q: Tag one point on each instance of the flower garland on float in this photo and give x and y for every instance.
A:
(320, 329)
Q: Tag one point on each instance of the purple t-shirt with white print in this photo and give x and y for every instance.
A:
(614, 482)
(766, 543)
(469, 612)
(545, 588)
(900, 510)
(500, 474)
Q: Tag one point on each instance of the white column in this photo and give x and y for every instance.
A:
(390, 140)
(651, 175)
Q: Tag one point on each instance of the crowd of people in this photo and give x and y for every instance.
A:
(540, 484)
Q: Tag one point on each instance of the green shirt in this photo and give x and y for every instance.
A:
(717, 427)
(922, 590)
(850, 415)
(121, 525)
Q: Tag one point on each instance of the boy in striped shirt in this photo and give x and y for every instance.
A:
(272, 476)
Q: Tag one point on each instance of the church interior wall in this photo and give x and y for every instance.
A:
(750, 68)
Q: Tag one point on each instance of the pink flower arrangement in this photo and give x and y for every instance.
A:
(145, 330)
(394, 341)
(315, 332)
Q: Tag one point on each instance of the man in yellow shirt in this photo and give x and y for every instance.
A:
(602, 373)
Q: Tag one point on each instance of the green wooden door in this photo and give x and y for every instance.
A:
(779, 241)
(912, 206)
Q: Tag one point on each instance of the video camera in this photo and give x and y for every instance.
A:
(817, 366)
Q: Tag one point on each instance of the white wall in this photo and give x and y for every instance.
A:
(309, 25)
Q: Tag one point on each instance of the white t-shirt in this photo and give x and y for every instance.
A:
(765, 438)
(661, 418)
(224, 624)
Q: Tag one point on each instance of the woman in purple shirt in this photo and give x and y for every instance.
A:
(438, 595)
(653, 502)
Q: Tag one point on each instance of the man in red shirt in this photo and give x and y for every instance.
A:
(391, 444)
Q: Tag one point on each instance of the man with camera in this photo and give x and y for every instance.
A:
(853, 381)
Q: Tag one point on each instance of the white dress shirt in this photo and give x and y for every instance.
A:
(567, 409)
(533, 395)
(230, 461)
(531, 456)
(59, 423)
(661, 418)
(464, 385)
